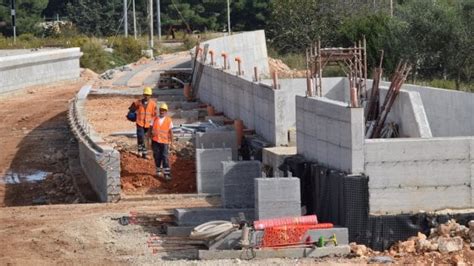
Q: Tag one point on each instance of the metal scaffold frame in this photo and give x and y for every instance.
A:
(352, 60)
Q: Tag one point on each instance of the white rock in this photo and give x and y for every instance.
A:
(447, 245)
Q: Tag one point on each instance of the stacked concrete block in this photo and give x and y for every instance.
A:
(277, 197)
(218, 139)
(238, 188)
(209, 169)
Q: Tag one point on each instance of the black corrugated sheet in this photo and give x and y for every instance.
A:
(344, 200)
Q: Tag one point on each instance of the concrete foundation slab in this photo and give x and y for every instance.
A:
(197, 216)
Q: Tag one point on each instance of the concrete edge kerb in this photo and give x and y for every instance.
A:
(99, 161)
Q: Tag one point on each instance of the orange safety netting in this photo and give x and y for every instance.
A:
(288, 235)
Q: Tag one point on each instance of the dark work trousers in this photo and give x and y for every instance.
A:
(160, 153)
(141, 132)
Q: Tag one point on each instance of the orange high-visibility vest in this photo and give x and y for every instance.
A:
(145, 115)
(161, 133)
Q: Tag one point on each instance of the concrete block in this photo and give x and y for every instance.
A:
(218, 139)
(210, 159)
(178, 231)
(241, 172)
(273, 253)
(238, 189)
(231, 241)
(277, 197)
(209, 182)
(277, 189)
(342, 234)
(275, 156)
(197, 216)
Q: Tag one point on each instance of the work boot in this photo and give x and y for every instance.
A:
(158, 172)
(168, 177)
(144, 155)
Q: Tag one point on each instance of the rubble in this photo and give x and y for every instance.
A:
(283, 70)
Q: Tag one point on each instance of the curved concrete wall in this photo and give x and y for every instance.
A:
(99, 161)
(23, 70)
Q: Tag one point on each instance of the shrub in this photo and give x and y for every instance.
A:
(128, 48)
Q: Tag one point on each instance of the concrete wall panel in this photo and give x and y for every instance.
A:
(19, 71)
(330, 133)
(410, 175)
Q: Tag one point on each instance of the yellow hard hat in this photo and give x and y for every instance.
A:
(147, 91)
(164, 106)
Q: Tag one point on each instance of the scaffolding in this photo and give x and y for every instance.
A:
(352, 60)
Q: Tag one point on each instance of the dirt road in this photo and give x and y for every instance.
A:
(34, 137)
(89, 234)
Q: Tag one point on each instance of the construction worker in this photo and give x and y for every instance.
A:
(162, 139)
(145, 110)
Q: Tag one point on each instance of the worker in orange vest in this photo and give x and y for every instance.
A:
(162, 139)
(145, 110)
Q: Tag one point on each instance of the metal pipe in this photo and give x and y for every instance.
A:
(255, 73)
(125, 17)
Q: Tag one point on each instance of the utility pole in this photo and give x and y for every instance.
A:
(158, 18)
(150, 16)
(125, 17)
(134, 20)
(228, 16)
(14, 20)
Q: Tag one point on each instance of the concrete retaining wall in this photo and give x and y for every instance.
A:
(409, 175)
(409, 113)
(257, 104)
(330, 133)
(23, 70)
(449, 112)
(249, 46)
(99, 161)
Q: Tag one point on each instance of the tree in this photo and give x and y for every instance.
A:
(28, 14)
(93, 17)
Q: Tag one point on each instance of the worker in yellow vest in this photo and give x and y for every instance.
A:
(162, 139)
(144, 111)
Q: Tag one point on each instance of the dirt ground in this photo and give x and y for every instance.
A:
(34, 139)
(138, 176)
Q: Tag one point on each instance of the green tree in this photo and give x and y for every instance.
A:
(93, 17)
(28, 14)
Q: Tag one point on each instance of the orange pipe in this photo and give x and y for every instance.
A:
(239, 131)
(239, 61)
(354, 100)
(275, 80)
(187, 91)
(211, 52)
(224, 55)
(211, 111)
